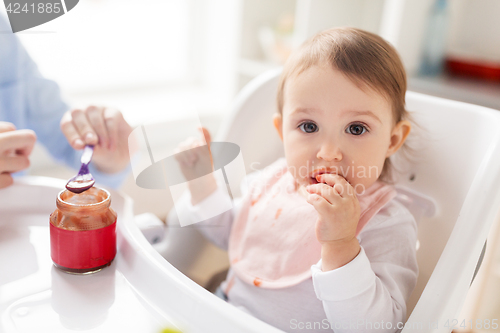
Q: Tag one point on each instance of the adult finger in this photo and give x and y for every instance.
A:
(84, 127)
(21, 142)
(6, 127)
(113, 119)
(6, 180)
(95, 115)
(71, 132)
(13, 163)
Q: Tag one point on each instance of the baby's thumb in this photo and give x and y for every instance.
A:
(208, 139)
(206, 134)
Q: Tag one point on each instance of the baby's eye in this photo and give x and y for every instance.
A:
(308, 127)
(356, 129)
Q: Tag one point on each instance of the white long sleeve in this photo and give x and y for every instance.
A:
(378, 281)
(216, 228)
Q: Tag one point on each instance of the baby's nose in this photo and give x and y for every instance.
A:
(329, 152)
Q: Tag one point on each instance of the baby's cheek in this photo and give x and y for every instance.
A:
(362, 177)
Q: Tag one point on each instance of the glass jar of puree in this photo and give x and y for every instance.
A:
(83, 231)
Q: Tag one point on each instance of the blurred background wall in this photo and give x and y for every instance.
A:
(155, 58)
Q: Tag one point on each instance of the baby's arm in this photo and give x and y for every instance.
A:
(184, 243)
(205, 205)
(215, 228)
(195, 161)
(369, 293)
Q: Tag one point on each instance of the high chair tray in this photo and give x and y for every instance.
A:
(139, 292)
(37, 297)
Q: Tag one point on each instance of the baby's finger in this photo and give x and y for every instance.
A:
(325, 191)
(338, 182)
(208, 139)
(183, 157)
(189, 156)
(192, 155)
(206, 135)
(319, 203)
(184, 162)
(184, 151)
(184, 145)
(200, 145)
(340, 189)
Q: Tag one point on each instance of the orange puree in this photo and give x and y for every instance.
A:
(88, 210)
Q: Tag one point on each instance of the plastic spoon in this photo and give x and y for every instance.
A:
(83, 180)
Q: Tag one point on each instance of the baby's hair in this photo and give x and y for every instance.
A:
(365, 58)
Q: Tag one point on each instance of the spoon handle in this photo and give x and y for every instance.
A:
(88, 151)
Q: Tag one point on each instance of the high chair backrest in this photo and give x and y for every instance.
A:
(455, 164)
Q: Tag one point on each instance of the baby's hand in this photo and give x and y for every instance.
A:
(192, 160)
(195, 163)
(338, 209)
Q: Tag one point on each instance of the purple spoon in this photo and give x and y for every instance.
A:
(83, 180)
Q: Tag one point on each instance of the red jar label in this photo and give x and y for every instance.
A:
(83, 249)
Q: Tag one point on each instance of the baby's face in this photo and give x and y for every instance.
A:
(331, 125)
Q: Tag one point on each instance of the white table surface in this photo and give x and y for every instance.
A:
(37, 297)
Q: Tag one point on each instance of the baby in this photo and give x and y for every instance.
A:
(318, 243)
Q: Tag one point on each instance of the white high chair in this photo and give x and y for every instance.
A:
(452, 187)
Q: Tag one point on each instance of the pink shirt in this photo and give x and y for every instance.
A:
(370, 290)
(273, 242)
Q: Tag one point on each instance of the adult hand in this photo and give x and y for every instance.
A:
(103, 127)
(15, 147)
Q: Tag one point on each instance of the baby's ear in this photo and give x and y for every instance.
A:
(398, 136)
(278, 124)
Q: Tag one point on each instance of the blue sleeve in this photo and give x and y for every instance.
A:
(29, 100)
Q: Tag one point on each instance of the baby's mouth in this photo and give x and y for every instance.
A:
(313, 178)
(313, 181)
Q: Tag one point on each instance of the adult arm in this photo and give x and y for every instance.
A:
(31, 101)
